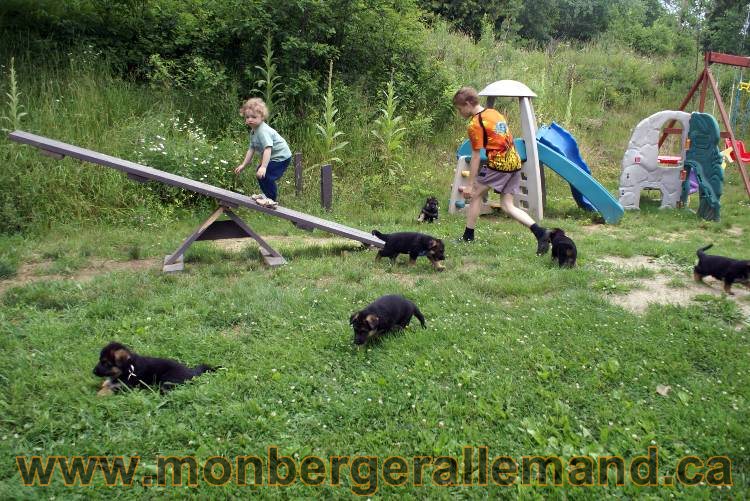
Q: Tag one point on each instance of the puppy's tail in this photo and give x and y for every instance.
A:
(382, 237)
(420, 317)
(703, 249)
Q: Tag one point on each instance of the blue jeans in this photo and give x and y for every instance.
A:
(274, 171)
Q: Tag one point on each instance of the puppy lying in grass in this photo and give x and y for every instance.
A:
(123, 368)
(414, 244)
(723, 268)
(563, 248)
(383, 315)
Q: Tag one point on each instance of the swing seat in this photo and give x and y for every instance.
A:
(744, 155)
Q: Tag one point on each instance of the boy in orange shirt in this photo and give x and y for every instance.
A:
(489, 130)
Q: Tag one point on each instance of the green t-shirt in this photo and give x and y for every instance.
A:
(265, 136)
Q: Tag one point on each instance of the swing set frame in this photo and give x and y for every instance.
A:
(704, 80)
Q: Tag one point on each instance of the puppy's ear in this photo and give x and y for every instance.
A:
(354, 318)
(121, 356)
(372, 320)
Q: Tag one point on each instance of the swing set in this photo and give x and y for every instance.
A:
(739, 115)
(704, 80)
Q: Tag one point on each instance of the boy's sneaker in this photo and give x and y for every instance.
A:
(543, 242)
(267, 202)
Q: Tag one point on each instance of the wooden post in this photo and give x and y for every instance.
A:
(326, 186)
(298, 173)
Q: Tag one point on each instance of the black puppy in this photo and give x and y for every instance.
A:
(429, 211)
(383, 315)
(414, 244)
(724, 268)
(563, 248)
(123, 368)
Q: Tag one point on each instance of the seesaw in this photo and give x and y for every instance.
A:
(212, 228)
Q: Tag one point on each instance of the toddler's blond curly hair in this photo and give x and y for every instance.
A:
(255, 104)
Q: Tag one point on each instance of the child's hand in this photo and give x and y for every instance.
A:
(261, 173)
(467, 192)
(239, 169)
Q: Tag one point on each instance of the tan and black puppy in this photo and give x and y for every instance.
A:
(723, 268)
(563, 248)
(430, 211)
(414, 244)
(123, 368)
(382, 315)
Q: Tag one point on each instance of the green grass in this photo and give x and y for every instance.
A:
(518, 356)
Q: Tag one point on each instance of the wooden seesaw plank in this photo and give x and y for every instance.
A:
(227, 198)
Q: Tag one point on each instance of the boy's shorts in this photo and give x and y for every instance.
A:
(501, 182)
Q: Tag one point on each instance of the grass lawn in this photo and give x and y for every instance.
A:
(518, 356)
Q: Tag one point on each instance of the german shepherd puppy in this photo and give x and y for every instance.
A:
(123, 368)
(563, 248)
(383, 315)
(429, 211)
(723, 268)
(414, 244)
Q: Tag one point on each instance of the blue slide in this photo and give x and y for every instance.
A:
(558, 150)
(563, 143)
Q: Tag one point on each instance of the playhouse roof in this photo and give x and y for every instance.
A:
(507, 88)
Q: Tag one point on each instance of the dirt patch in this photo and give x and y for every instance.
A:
(633, 263)
(669, 237)
(735, 231)
(35, 272)
(669, 285)
(597, 228)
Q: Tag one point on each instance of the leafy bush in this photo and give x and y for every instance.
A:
(196, 45)
(180, 147)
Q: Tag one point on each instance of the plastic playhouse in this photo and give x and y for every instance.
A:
(641, 167)
(552, 146)
(698, 168)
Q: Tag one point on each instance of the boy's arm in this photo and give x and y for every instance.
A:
(246, 161)
(473, 171)
(265, 158)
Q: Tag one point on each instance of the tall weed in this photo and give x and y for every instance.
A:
(390, 135)
(328, 131)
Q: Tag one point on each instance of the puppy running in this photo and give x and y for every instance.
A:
(123, 368)
(429, 211)
(414, 244)
(723, 268)
(383, 315)
(563, 248)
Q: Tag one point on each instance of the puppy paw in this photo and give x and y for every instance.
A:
(107, 388)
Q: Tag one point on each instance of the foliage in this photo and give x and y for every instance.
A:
(390, 135)
(467, 16)
(181, 147)
(170, 42)
(15, 108)
(194, 75)
(328, 131)
(647, 28)
(727, 28)
(269, 86)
